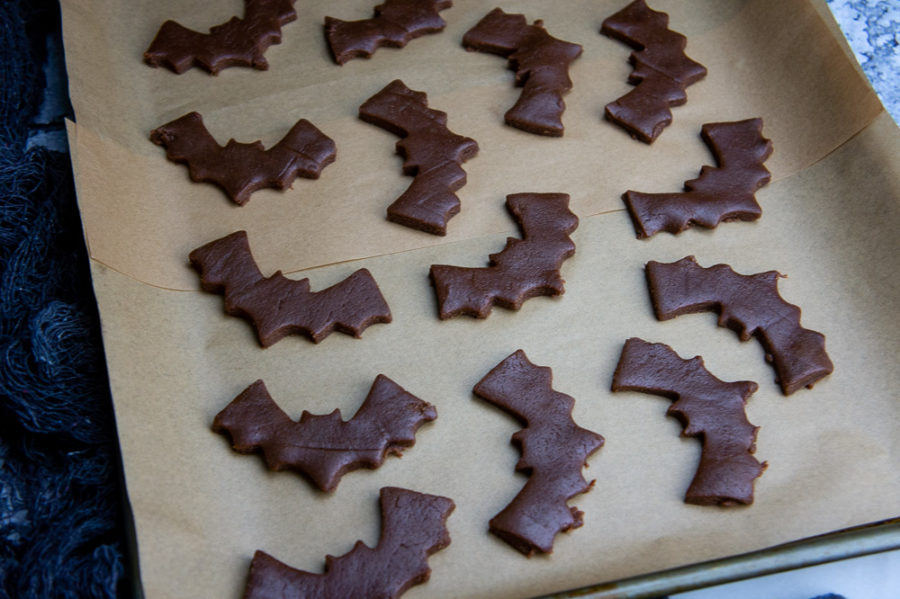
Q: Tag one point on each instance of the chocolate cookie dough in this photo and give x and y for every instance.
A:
(431, 153)
(239, 42)
(413, 526)
(396, 22)
(239, 169)
(277, 306)
(709, 409)
(526, 267)
(661, 72)
(541, 63)
(326, 447)
(554, 450)
(723, 193)
(749, 305)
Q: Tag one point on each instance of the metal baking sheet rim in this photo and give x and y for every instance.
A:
(852, 542)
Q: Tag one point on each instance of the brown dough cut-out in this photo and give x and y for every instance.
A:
(526, 267)
(431, 153)
(541, 63)
(277, 306)
(239, 169)
(325, 447)
(721, 193)
(239, 42)
(413, 527)
(661, 71)
(709, 409)
(554, 450)
(396, 22)
(749, 305)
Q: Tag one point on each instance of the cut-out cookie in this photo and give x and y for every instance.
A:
(325, 447)
(277, 306)
(554, 450)
(541, 63)
(239, 169)
(721, 193)
(526, 267)
(239, 42)
(396, 22)
(709, 409)
(431, 153)
(661, 72)
(413, 527)
(750, 306)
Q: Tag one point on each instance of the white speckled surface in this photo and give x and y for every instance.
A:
(873, 29)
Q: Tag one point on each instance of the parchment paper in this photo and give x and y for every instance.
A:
(829, 222)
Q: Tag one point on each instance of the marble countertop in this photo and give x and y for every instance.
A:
(872, 27)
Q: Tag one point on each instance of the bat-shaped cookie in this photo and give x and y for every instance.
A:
(413, 526)
(661, 72)
(239, 42)
(526, 267)
(326, 447)
(554, 450)
(541, 63)
(751, 306)
(396, 22)
(239, 169)
(432, 154)
(277, 306)
(721, 193)
(709, 409)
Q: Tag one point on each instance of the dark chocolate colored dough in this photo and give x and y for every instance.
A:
(325, 447)
(526, 267)
(749, 305)
(396, 22)
(432, 154)
(554, 450)
(709, 409)
(277, 306)
(239, 169)
(239, 42)
(723, 193)
(413, 526)
(661, 72)
(541, 63)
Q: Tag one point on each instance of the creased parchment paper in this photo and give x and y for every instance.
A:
(830, 221)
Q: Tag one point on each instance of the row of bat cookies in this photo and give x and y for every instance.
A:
(554, 451)
(719, 194)
(662, 70)
(709, 409)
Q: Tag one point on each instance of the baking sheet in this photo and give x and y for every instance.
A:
(175, 359)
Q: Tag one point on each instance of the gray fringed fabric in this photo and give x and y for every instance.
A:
(60, 513)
